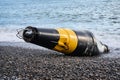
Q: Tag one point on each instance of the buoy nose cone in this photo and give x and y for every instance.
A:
(28, 33)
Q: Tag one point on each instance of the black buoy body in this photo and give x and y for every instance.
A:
(67, 41)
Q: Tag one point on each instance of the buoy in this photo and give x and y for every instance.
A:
(67, 41)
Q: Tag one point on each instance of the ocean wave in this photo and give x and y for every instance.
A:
(101, 17)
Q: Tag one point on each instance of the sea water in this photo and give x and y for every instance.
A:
(102, 17)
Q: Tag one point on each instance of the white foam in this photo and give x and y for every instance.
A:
(9, 35)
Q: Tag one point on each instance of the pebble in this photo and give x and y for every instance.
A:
(36, 64)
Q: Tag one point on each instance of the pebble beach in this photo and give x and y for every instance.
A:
(19, 63)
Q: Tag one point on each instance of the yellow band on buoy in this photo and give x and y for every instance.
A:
(68, 41)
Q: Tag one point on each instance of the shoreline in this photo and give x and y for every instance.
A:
(114, 51)
(26, 63)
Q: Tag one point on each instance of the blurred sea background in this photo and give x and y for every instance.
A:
(102, 17)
